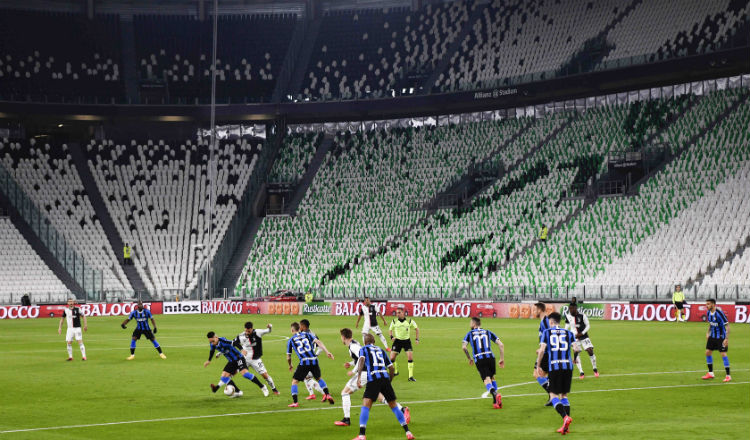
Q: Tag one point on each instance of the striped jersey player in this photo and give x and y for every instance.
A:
(481, 345)
(556, 343)
(717, 338)
(357, 379)
(303, 343)
(142, 315)
(370, 312)
(72, 315)
(579, 324)
(250, 343)
(236, 362)
(379, 369)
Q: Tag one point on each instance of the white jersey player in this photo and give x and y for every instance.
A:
(252, 348)
(370, 312)
(357, 380)
(579, 324)
(72, 315)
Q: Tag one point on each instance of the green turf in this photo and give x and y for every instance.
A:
(41, 389)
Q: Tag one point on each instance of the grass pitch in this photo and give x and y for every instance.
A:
(649, 386)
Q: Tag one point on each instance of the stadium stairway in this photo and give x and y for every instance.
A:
(687, 145)
(130, 74)
(303, 57)
(237, 262)
(40, 248)
(290, 62)
(84, 172)
(307, 178)
(453, 49)
(726, 260)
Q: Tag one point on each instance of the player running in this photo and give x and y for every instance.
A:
(374, 361)
(302, 343)
(236, 362)
(556, 343)
(73, 315)
(251, 345)
(540, 311)
(141, 316)
(371, 321)
(480, 340)
(402, 326)
(580, 323)
(356, 381)
(717, 338)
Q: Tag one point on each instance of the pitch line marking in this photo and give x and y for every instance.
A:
(277, 411)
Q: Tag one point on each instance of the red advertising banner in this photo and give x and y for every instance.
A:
(56, 310)
(666, 312)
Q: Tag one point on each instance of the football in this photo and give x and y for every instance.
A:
(229, 390)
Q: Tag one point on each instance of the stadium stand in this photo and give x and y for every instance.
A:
(177, 51)
(157, 193)
(368, 53)
(492, 242)
(59, 57)
(295, 156)
(46, 173)
(23, 272)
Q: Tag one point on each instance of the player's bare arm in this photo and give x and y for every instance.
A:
(85, 323)
(416, 333)
(466, 352)
(383, 318)
(154, 324)
(323, 347)
(125, 322)
(501, 349)
(726, 337)
(540, 352)
(210, 356)
(358, 318)
(59, 327)
(289, 361)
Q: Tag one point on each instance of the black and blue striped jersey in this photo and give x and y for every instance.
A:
(227, 348)
(303, 343)
(376, 362)
(718, 324)
(480, 341)
(558, 341)
(141, 318)
(543, 325)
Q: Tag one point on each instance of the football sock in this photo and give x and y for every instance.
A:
(323, 385)
(270, 383)
(399, 416)
(726, 363)
(558, 407)
(710, 363)
(364, 415)
(395, 366)
(223, 381)
(494, 385)
(294, 393)
(566, 405)
(411, 368)
(382, 339)
(249, 376)
(593, 361)
(132, 346)
(231, 382)
(70, 351)
(309, 385)
(492, 390)
(543, 382)
(578, 364)
(83, 351)
(346, 403)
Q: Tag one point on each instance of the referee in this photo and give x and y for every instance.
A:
(678, 299)
(402, 326)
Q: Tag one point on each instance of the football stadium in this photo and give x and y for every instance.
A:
(383, 219)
